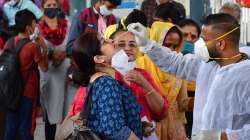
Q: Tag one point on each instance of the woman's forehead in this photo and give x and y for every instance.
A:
(124, 36)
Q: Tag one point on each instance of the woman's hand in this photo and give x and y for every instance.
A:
(136, 77)
(76, 119)
(40, 42)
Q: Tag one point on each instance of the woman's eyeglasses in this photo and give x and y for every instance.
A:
(123, 45)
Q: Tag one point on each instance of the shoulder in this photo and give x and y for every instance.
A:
(31, 47)
(106, 86)
(106, 82)
(84, 12)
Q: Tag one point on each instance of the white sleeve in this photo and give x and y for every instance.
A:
(241, 134)
(241, 120)
(35, 10)
(184, 67)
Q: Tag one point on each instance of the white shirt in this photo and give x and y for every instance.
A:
(11, 11)
(222, 98)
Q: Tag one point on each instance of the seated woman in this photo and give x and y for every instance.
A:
(114, 111)
(172, 126)
(153, 104)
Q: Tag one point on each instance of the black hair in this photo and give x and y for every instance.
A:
(115, 2)
(223, 23)
(87, 46)
(190, 22)
(23, 19)
(171, 10)
(136, 16)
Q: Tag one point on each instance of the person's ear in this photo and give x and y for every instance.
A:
(221, 45)
(99, 59)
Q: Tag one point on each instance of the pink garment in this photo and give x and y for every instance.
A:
(77, 103)
(1, 44)
(101, 26)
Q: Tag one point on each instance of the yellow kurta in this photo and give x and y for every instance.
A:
(171, 127)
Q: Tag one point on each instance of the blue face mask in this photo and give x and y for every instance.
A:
(187, 48)
(51, 12)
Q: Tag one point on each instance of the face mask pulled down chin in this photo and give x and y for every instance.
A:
(120, 61)
(104, 11)
(35, 34)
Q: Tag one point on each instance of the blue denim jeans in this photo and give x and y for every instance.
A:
(19, 122)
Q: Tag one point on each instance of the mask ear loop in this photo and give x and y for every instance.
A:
(226, 34)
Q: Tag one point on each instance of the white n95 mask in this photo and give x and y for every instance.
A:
(120, 62)
(35, 34)
(200, 50)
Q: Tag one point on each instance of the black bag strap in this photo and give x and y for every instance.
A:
(87, 106)
(19, 45)
(11, 43)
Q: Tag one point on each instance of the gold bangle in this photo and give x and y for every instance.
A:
(150, 92)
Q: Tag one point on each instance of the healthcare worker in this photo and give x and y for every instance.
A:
(172, 126)
(221, 72)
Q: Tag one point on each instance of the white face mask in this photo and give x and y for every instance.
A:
(35, 34)
(200, 50)
(120, 62)
(104, 11)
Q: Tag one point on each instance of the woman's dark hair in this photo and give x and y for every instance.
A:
(136, 16)
(190, 22)
(115, 2)
(87, 46)
(23, 19)
(171, 10)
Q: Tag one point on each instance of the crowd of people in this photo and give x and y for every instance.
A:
(152, 75)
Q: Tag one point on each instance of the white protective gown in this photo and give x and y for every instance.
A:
(222, 98)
